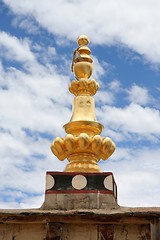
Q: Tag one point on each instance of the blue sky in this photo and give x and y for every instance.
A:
(37, 40)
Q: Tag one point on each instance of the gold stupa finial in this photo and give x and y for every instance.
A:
(81, 63)
(82, 40)
(83, 146)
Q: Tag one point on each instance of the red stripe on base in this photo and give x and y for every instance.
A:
(79, 173)
(78, 191)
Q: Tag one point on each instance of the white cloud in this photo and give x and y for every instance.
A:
(136, 171)
(115, 85)
(139, 95)
(134, 118)
(15, 49)
(104, 97)
(132, 23)
(26, 24)
(19, 199)
(31, 108)
(99, 70)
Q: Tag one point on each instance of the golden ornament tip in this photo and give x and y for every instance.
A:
(83, 40)
(82, 145)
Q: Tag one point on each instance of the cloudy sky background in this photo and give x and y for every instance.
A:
(37, 39)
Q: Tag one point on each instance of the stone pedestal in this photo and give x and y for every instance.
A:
(68, 190)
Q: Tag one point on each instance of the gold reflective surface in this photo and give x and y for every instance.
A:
(83, 146)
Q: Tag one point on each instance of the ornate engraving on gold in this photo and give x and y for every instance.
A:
(83, 151)
(83, 87)
(83, 146)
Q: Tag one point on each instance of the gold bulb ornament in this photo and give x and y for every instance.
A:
(83, 146)
(82, 62)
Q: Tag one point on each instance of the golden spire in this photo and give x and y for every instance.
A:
(83, 146)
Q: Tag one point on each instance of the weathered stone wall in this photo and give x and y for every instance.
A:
(23, 231)
(109, 224)
(71, 231)
(126, 232)
(79, 201)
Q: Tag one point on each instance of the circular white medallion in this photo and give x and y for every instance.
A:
(108, 183)
(79, 182)
(49, 182)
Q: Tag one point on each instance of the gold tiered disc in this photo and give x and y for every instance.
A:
(83, 146)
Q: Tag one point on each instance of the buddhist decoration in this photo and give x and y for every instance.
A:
(83, 146)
